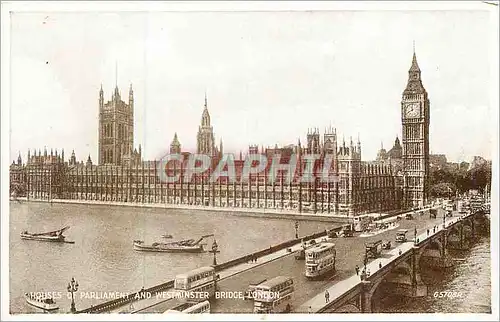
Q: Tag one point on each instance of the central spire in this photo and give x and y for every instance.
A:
(205, 116)
(414, 64)
(117, 92)
(414, 85)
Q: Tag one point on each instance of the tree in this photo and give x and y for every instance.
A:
(442, 190)
(458, 178)
(454, 177)
(480, 176)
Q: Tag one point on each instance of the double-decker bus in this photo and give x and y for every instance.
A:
(251, 289)
(191, 308)
(274, 295)
(198, 284)
(373, 249)
(320, 260)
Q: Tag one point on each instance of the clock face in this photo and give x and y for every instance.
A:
(412, 110)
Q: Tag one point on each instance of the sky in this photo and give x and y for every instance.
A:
(268, 76)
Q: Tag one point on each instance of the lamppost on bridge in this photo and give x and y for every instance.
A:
(365, 262)
(296, 230)
(72, 288)
(215, 250)
(415, 233)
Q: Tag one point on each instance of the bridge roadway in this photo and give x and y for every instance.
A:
(350, 252)
(337, 289)
(159, 305)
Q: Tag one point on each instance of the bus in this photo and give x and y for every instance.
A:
(401, 235)
(274, 295)
(320, 260)
(251, 289)
(198, 284)
(347, 230)
(373, 249)
(191, 308)
(362, 222)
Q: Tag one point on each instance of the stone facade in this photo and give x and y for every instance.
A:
(121, 175)
(415, 116)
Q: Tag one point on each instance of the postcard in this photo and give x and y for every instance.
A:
(249, 160)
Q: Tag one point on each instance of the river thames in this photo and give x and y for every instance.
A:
(103, 260)
(470, 277)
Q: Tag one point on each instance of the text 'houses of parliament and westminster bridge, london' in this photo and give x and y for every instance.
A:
(396, 183)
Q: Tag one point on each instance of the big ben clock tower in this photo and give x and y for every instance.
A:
(415, 139)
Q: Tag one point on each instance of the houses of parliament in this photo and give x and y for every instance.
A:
(397, 179)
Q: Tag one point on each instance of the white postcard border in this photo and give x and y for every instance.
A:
(239, 6)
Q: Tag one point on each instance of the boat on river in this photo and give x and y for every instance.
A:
(44, 303)
(181, 246)
(51, 236)
(167, 236)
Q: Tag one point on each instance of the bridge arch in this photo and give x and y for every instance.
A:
(402, 273)
(430, 252)
(348, 308)
(468, 221)
(369, 294)
(434, 244)
(375, 285)
(404, 268)
(455, 230)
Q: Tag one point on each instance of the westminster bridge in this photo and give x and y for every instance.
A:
(397, 270)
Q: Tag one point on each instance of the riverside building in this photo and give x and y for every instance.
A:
(122, 175)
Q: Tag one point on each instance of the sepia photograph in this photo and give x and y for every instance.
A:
(249, 160)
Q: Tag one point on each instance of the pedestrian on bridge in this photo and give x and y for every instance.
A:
(327, 296)
(427, 232)
(380, 265)
(357, 270)
(400, 252)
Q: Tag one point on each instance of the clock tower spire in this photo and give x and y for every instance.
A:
(415, 138)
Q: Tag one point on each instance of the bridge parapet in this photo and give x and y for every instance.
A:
(135, 296)
(399, 274)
